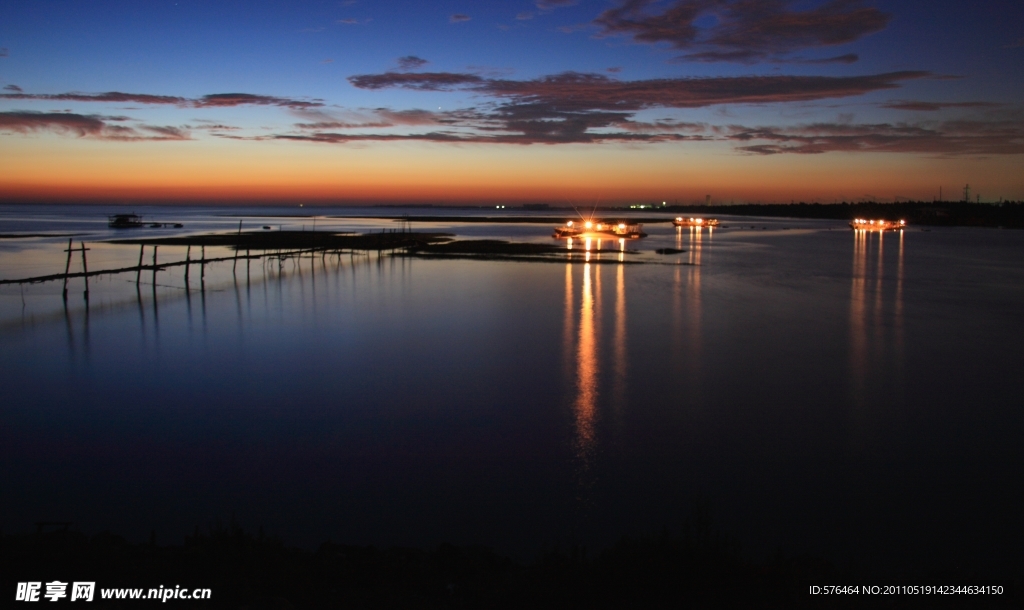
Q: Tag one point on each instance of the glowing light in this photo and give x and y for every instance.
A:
(622, 226)
(587, 225)
(679, 219)
(568, 224)
(598, 226)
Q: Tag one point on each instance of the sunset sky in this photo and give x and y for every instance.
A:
(559, 101)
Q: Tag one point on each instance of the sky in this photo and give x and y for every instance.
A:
(555, 101)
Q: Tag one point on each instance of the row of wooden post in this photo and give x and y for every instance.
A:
(85, 269)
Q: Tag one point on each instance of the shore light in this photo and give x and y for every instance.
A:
(588, 225)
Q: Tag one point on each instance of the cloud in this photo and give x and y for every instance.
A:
(206, 101)
(3, 52)
(579, 108)
(933, 106)
(744, 31)
(221, 100)
(351, 21)
(91, 126)
(424, 81)
(596, 91)
(465, 138)
(327, 61)
(411, 62)
(458, 18)
(169, 133)
(547, 5)
(951, 138)
(849, 58)
(14, 88)
(524, 16)
(111, 96)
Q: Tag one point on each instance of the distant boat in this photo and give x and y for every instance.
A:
(124, 221)
(859, 224)
(617, 229)
(679, 221)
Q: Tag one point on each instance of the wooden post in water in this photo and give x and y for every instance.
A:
(202, 269)
(67, 268)
(154, 271)
(188, 261)
(138, 274)
(234, 265)
(85, 270)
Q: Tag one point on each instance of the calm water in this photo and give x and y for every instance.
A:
(855, 397)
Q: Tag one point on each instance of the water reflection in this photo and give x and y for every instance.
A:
(619, 354)
(686, 303)
(584, 407)
(876, 331)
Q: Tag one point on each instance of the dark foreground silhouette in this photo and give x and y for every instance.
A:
(698, 568)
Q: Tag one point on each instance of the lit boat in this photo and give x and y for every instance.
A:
(695, 222)
(569, 229)
(124, 221)
(619, 229)
(860, 224)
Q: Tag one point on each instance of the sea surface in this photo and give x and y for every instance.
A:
(815, 390)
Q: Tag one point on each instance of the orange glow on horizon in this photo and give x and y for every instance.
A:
(76, 169)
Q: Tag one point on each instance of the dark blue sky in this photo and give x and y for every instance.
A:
(732, 78)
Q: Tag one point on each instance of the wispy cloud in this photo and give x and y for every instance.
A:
(411, 62)
(581, 108)
(951, 138)
(424, 81)
(14, 88)
(597, 91)
(849, 58)
(933, 106)
(86, 126)
(524, 16)
(3, 52)
(459, 18)
(206, 101)
(745, 31)
(547, 5)
(945, 139)
(353, 21)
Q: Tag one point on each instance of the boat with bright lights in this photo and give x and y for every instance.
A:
(679, 221)
(600, 229)
(860, 224)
